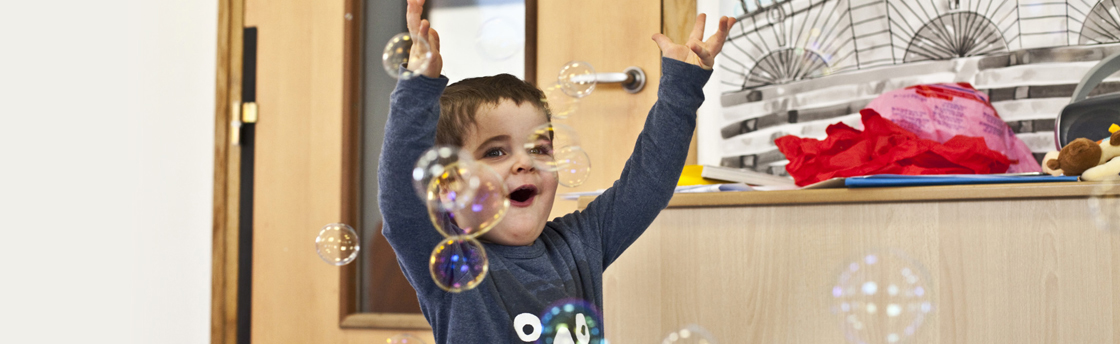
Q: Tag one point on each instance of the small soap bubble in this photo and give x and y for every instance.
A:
(404, 338)
(487, 204)
(560, 152)
(499, 39)
(414, 53)
(560, 104)
(573, 166)
(1104, 206)
(458, 264)
(577, 79)
(871, 317)
(446, 171)
(337, 244)
(546, 139)
(571, 321)
(691, 334)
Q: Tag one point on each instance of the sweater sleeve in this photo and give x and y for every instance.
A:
(620, 215)
(409, 131)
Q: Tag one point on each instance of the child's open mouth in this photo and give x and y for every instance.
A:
(523, 196)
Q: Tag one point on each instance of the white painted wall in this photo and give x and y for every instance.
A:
(707, 120)
(484, 38)
(106, 163)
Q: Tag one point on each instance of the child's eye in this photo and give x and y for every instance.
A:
(493, 153)
(540, 150)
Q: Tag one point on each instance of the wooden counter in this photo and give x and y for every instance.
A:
(1007, 264)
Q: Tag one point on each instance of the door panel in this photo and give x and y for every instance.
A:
(610, 35)
(299, 172)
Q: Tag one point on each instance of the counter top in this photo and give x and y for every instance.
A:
(885, 194)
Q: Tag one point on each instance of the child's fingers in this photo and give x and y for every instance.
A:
(716, 41)
(412, 15)
(425, 26)
(433, 38)
(663, 42)
(704, 55)
(698, 28)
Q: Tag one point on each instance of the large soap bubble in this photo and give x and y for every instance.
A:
(337, 244)
(412, 52)
(499, 38)
(484, 206)
(882, 297)
(444, 174)
(458, 264)
(577, 79)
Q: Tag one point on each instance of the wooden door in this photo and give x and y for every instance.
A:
(611, 36)
(302, 142)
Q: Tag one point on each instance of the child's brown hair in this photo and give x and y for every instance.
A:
(461, 101)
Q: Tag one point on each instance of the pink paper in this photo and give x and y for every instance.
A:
(940, 111)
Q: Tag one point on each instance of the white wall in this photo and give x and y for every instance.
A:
(708, 116)
(106, 163)
(484, 38)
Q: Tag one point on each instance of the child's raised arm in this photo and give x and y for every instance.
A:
(622, 213)
(410, 130)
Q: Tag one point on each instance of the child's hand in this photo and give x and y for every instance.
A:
(695, 51)
(422, 28)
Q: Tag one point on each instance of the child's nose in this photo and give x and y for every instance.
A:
(523, 163)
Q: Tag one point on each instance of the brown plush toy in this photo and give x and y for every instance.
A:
(1088, 159)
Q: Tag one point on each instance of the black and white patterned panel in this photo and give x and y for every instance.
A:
(794, 67)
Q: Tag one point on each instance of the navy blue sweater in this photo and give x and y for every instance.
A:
(568, 259)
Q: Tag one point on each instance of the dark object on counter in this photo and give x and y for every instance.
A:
(1089, 118)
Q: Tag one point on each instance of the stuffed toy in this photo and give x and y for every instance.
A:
(1093, 161)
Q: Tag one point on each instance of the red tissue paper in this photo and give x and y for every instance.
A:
(884, 148)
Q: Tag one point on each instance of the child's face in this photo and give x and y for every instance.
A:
(498, 140)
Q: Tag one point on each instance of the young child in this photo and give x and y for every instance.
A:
(533, 262)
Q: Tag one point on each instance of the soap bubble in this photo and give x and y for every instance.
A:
(403, 49)
(1104, 206)
(691, 334)
(571, 321)
(573, 166)
(404, 338)
(499, 39)
(561, 153)
(881, 297)
(577, 79)
(458, 264)
(487, 204)
(549, 138)
(337, 244)
(446, 171)
(560, 104)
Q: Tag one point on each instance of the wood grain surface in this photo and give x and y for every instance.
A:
(1028, 270)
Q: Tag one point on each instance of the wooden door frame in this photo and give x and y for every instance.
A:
(227, 170)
